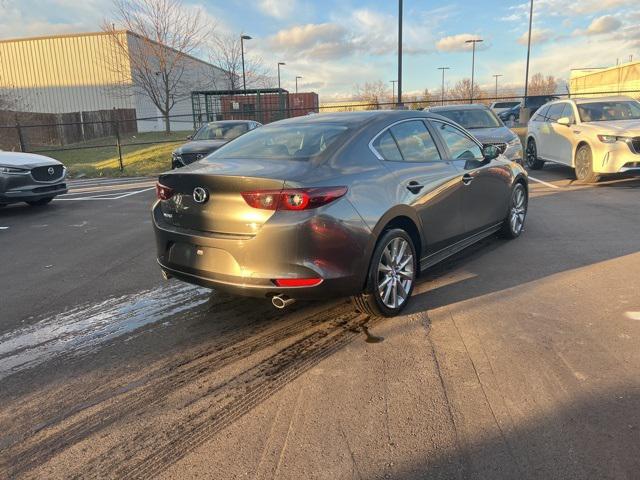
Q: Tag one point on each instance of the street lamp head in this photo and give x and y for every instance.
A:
(245, 37)
(478, 40)
(299, 76)
(281, 63)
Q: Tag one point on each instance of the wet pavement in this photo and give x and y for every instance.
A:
(516, 359)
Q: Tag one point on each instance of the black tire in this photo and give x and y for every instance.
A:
(372, 300)
(513, 224)
(41, 202)
(584, 165)
(531, 156)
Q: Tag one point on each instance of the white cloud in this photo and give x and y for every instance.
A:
(604, 24)
(538, 36)
(456, 43)
(277, 8)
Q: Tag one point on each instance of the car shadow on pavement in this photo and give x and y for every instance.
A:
(596, 436)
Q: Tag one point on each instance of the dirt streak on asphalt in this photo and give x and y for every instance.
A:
(176, 417)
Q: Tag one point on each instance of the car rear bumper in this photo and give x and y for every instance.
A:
(328, 243)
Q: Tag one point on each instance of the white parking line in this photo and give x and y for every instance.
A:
(105, 196)
(543, 182)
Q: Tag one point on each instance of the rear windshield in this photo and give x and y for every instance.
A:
(470, 119)
(604, 111)
(283, 142)
(505, 104)
(221, 131)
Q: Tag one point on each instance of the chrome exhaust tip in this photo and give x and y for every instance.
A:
(281, 301)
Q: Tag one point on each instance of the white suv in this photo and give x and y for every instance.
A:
(595, 136)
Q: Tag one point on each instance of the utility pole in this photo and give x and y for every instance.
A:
(297, 77)
(279, 64)
(442, 91)
(393, 89)
(473, 63)
(496, 77)
(526, 75)
(244, 78)
(399, 53)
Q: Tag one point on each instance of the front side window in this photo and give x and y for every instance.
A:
(415, 142)
(283, 142)
(611, 110)
(460, 146)
(568, 112)
(541, 114)
(555, 112)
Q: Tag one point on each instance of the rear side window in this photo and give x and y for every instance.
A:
(460, 146)
(387, 148)
(415, 142)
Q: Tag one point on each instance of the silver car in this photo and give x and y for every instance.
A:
(27, 177)
(485, 125)
(330, 205)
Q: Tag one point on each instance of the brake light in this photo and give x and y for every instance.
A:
(297, 282)
(163, 192)
(293, 198)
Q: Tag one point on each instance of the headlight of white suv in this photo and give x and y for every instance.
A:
(13, 170)
(612, 138)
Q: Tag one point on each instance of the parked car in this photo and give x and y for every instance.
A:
(485, 126)
(209, 138)
(595, 136)
(27, 177)
(499, 107)
(338, 204)
(533, 103)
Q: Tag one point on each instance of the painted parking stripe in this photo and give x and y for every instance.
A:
(551, 185)
(107, 196)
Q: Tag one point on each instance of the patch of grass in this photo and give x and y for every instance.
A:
(99, 157)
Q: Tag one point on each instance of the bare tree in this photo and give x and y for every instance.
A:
(539, 85)
(158, 53)
(417, 102)
(462, 91)
(373, 94)
(226, 54)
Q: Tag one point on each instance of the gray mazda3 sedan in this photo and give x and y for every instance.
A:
(30, 178)
(345, 204)
(485, 125)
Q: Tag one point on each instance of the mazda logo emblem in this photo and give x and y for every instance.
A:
(51, 171)
(200, 195)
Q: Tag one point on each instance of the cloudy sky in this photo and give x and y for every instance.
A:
(335, 44)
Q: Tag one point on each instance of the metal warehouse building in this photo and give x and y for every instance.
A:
(87, 72)
(619, 79)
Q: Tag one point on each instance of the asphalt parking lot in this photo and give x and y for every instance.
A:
(517, 359)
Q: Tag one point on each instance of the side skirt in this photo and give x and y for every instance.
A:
(440, 255)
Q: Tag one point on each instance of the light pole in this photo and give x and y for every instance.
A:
(393, 89)
(297, 77)
(442, 92)
(526, 75)
(496, 77)
(473, 63)
(399, 53)
(244, 78)
(279, 63)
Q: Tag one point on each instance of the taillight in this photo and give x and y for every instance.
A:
(163, 192)
(293, 198)
(297, 282)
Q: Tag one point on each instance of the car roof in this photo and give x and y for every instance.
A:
(355, 119)
(230, 122)
(467, 106)
(613, 98)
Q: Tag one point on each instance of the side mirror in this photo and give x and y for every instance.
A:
(189, 137)
(489, 152)
(566, 121)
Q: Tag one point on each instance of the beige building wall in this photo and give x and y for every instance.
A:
(617, 80)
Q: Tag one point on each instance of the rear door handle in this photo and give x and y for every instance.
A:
(414, 187)
(467, 179)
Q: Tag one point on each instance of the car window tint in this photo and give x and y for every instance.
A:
(460, 146)
(415, 142)
(555, 112)
(505, 104)
(568, 112)
(386, 146)
(541, 114)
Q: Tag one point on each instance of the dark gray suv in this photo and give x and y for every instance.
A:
(337, 204)
(27, 177)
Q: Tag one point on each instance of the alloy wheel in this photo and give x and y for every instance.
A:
(583, 164)
(518, 209)
(395, 273)
(531, 154)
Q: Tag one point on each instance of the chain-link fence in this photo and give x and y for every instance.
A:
(116, 142)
